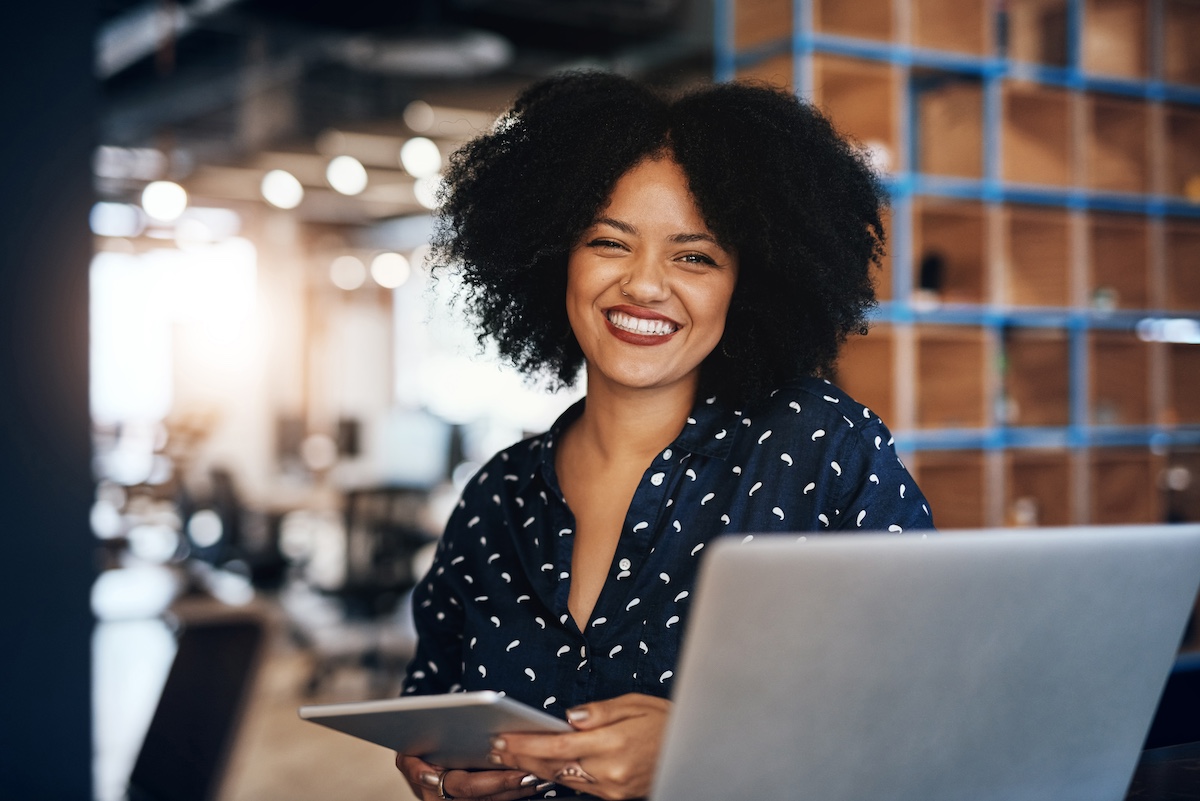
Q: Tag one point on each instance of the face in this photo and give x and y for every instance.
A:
(648, 287)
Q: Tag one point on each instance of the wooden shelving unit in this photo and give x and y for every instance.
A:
(1031, 351)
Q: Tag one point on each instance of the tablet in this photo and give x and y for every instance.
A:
(452, 731)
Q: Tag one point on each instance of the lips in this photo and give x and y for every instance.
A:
(640, 326)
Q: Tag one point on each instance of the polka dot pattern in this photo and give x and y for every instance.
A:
(492, 612)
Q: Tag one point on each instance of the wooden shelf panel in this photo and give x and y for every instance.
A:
(1119, 390)
(1038, 256)
(756, 22)
(1114, 37)
(1182, 247)
(1118, 262)
(950, 127)
(861, 99)
(865, 369)
(1183, 395)
(1123, 487)
(1117, 144)
(1182, 155)
(955, 484)
(776, 71)
(951, 383)
(964, 27)
(1037, 31)
(863, 19)
(1035, 139)
(1037, 379)
(1037, 488)
(1181, 41)
(950, 248)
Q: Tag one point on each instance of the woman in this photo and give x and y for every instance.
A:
(702, 259)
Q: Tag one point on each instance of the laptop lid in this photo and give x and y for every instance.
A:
(982, 665)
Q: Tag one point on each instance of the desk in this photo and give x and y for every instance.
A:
(1167, 774)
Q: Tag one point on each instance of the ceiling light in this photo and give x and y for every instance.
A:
(420, 157)
(390, 270)
(347, 272)
(347, 175)
(281, 189)
(164, 200)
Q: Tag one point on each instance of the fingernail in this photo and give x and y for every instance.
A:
(495, 759)
(544, 786)
(529, 779)
(430, 778)
(577, 715)
(498, 744)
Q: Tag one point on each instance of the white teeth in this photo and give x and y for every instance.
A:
(639, 325)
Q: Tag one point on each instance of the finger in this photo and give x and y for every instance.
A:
(523, 751)
(420, 775)
(605, 713)
(490, 785)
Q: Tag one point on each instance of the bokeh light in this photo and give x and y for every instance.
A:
(281, 189)
(347, 175)
(164, 200)
(390, 270)
(420, 157)
(348, 272)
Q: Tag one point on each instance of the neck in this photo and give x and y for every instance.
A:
(620, 422)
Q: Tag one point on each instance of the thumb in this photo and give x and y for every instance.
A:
(605, 713)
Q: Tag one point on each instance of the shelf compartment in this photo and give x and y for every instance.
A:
(865, 369)
(1184, 387)
(952, 367)
(860, 97)
(1037, 488)
(1182, 248)
(883, 278)
(862, 19)
(1037, 377)
(1114, 38)
(950, 249)
(1037, 32)
(1182, 482)
(1117, 144)
(1036, 138)
(955, 484)
(1181, 41)
(1038, 256)
(757, 22)
(1123, 487)
(1183, 152)
(952, 25)
(1118, 262)
(949, 124)
(776, 71)
(1119, 390)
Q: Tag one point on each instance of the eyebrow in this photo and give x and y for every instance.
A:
(625, 227)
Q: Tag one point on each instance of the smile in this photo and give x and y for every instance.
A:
(639, 325)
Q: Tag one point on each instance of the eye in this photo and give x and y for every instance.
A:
(698, 258)
(605, 244)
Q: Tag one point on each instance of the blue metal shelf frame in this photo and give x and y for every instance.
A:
(907, 184)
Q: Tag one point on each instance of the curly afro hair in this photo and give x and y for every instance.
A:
(773, 180)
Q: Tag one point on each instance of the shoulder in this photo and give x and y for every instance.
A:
(812, 403)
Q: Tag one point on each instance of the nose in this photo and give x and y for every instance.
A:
(646, 281)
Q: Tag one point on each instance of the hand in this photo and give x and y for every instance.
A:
(431, 783)
(612, 753)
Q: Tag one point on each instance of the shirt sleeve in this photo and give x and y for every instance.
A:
(438, 618)
(883, 495)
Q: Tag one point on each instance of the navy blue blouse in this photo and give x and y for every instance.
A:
(492, 612)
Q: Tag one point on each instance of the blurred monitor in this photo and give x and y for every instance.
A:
(413, 448)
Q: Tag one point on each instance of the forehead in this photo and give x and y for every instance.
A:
(656, 191)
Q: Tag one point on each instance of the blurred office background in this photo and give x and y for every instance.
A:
(271, 406)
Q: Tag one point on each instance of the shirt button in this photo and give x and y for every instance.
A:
(624, 564)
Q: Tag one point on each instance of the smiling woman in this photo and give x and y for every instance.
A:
(701, 258)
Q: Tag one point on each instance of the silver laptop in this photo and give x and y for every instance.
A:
(963, 665)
